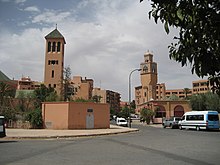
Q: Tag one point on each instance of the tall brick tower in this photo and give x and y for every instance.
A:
(148, 78)
(54, 60)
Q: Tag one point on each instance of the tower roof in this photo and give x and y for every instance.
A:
(55, 34)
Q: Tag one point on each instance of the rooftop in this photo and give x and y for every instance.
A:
(55, 34)
(3, 77)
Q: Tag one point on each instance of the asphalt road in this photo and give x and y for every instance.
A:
(148, 146)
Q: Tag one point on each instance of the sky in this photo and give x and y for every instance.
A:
(105, 41)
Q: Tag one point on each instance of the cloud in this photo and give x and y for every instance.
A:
(15, 1)
(32, 9)
(20, 1)
(105, 41)
(51, 16)
(22, 54)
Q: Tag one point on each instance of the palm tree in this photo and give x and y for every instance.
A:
(4, 92)
(147, 114)
(186, 91)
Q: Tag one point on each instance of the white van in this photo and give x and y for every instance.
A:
(199, 120)
(120, 121)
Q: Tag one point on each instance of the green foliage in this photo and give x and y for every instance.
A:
(173, 97)
(25, 100)
(35, 118)
(207, 101)
(5, 92)
(44, 94)
(124, 112)
(52, 97)
(96, 98)
(133, 107)
(68, 92)
(147, 115)
(81, 100)
(198, 23)
(186, 92)
(8, 113)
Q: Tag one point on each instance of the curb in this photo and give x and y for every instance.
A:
(68, 136)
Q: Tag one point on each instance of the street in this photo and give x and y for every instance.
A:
(150, 145)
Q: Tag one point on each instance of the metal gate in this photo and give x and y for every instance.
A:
(90, 121)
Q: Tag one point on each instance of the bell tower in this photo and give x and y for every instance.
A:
(148, 78)
(54, 61)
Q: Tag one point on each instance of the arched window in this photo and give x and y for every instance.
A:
(58, 47)
(160, 112)
(145, 68)
(49, 47)
(54, 47)
(178, 111)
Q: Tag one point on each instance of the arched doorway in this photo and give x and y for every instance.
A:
(178, 111)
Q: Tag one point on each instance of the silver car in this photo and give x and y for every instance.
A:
(171, 122)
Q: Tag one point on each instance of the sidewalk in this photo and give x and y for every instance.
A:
(48, 133)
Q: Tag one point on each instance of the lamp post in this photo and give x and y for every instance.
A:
(129, 93)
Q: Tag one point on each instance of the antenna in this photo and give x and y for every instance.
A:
(56, 25)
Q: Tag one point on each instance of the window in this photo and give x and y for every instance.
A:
(52, 62)
(58, 47)
(89, 110)
(54, 47)
(195, 117)
(52, 73)
(54, 85)
(49, 85)
(213, 117)
(49, 47)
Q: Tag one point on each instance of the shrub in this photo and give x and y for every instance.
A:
(35, 118)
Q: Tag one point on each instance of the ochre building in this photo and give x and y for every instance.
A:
(54, 61)
(151, 94)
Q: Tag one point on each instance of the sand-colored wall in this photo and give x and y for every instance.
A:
(55, 115)
(72, 115)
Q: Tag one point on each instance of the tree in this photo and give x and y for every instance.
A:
(96, 98)
(198, 23)
(206, 101)
(147, 114)
(173, 97)
(68, 90)
(186, 91)
(25, 101)
(133, 107)
(35, 118)
(5, 92)
(43, 94)
(124, 112)
(6, 108)
(197, 102)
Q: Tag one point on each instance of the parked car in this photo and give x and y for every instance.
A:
(172, 122)
(120, 121)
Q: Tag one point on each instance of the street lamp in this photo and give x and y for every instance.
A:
(129, 93)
